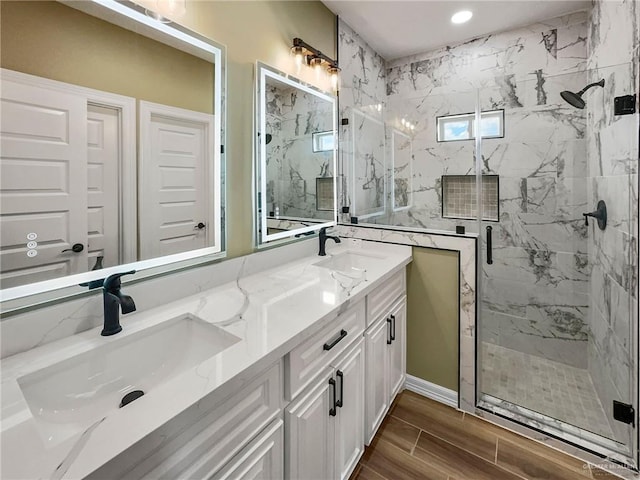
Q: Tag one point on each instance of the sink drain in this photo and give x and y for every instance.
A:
(130, 397)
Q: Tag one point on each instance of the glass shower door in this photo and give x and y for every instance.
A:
(557, 294)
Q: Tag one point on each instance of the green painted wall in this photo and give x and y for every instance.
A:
(432, 316)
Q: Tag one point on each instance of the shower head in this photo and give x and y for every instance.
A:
(575, 99)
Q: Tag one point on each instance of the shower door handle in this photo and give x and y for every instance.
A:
(489, 245)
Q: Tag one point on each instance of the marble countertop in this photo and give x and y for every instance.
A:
(271, 312)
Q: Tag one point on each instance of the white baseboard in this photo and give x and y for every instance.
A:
(432, 391)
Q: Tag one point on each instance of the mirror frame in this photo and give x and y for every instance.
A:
(263, 72)
(132, 16)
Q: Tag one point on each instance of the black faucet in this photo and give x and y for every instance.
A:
(323, 237)
(113, 299)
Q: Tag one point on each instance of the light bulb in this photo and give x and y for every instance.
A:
(462, 16)
(298, 53)
(171, 8)
(403, 122)
(335, 78)
(316, 64)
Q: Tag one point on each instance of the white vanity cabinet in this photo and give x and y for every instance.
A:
(324, 424)
(210, 437)
(263, 458)
(385, 345)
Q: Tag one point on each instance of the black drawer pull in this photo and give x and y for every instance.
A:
(389, 338)
(332, 410)
(393, 327)
(340, 375)
(329, 346)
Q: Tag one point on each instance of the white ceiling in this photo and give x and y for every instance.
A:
(397, 28)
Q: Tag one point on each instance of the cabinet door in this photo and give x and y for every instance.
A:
(397, 355)
(377, 391)
(350, 418)
(310, 431)
(262, 459)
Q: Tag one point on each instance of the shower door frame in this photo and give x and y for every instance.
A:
(470, 384)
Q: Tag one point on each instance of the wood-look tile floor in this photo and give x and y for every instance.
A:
(422, 439)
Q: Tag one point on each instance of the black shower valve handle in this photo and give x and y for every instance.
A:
(600, 214)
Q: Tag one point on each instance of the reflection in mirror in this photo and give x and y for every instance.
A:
(368, 166)
(402, 173)
(111, 139)
(296, 157)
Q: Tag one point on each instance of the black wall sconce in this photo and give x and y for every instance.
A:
(314, 58)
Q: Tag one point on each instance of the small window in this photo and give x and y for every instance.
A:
(462, 127)
(323, 142)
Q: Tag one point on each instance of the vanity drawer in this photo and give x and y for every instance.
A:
(262, 458)
(382, 298)
(199, 442)
(305, 361)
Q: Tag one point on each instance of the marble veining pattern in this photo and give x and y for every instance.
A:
(260, 308)
(466, 246)
(540, 236)
(292, 117)
(612, 156)
(571, 287)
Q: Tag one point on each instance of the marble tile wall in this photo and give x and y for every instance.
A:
(36, 327)
(292, 166)
(557, 288)
(363, 142)
(540, 242)
(612, 154)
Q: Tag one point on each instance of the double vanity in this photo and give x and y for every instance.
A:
(286, 373)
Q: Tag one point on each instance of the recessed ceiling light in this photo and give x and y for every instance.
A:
(461, 16)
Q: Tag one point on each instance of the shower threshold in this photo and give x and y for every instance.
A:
(554, 428)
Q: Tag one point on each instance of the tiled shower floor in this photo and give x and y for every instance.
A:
(544, 386)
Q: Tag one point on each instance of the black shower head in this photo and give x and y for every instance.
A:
(575, 99)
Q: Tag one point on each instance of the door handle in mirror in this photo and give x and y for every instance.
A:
(200, 226)
(77, 248)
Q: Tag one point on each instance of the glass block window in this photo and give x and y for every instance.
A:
(462, 127)
(459, 197)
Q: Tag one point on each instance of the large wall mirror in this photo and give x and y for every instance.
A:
(110, 146)
(295, 156)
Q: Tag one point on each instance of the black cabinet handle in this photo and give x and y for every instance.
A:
(393, 327)
(200, 226)
(340, 375)
(77, 248)
(389, 339)
(332, 410)
(331, 344)
(489, 245)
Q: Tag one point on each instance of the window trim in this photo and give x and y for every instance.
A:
(471, 116)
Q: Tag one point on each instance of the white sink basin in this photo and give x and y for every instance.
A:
(348, 261)
(69, 396)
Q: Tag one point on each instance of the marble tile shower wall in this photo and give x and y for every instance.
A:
(363, 142)
(540, 243)
(292, 166)
(557, 288)
(612, 152)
